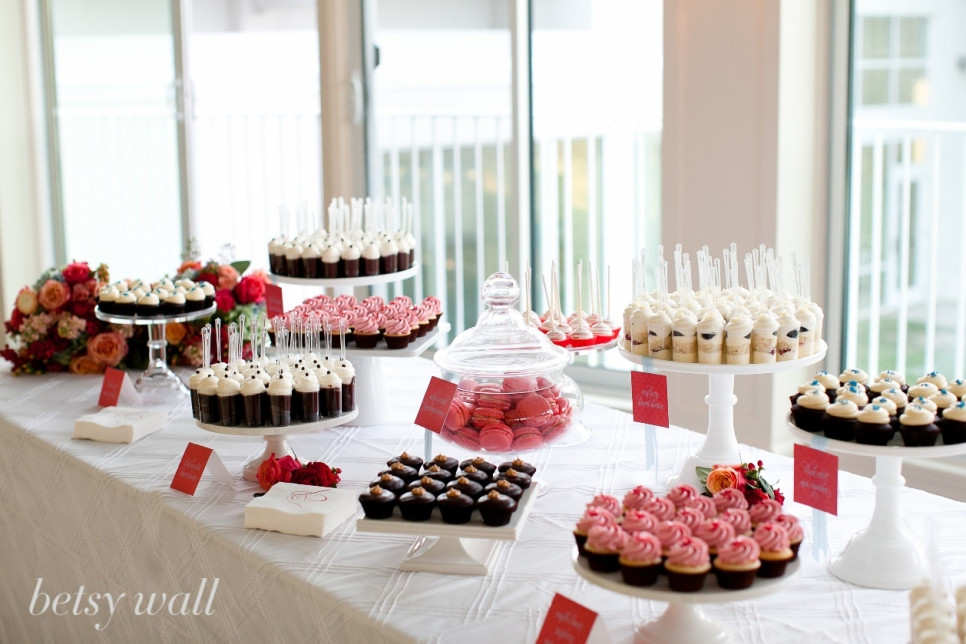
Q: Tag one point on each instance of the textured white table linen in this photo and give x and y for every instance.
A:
(78, 513)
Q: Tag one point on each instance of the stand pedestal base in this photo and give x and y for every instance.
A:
(681, 624)
(892, 561)
(372, 399)
(449, 555)
(277, 444)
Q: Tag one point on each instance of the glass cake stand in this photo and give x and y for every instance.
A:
(276, 438)
(720, 443)
(886, 554)
(683, 622)
(158, 373)
(456, 549)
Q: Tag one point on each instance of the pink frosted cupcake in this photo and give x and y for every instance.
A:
(795, 532)
(593, 517)
(706, 505)
(715, 533)
(739, 519)
(776, 549)
(637, 498)
(365, 332)
(688, 563)
(640, 559)
(670, 533)
(660, 507)
(737, 563)
(729, 498)
(691, 517)
(603, 546)
(764, 511)
(682, 495)
(397, 333)
(608, 502)
(639, 521)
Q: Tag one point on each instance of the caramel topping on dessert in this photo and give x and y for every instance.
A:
(385, 477)
(440, 458)
(493, 494)
(418, 491)
(426, 480)
(511, 472)
(462, 480)
(375, 490)
(397, 466)
(433, 468)
(503, 483)
(470, 469)
(453, 492)
(518, 462)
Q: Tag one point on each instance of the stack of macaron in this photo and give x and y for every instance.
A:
(454, 490)
(516, 413)
(164, 297)
(855, 407)
(686, 535)
(371, 322)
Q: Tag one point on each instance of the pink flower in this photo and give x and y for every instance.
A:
(76, 272)
(250, 289)
(273, 470)
(70, 327)
(227, 277)
(53, 295)
(27, 300)
(224, 300)
(108, 348)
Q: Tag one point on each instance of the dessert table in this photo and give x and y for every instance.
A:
(86, 517)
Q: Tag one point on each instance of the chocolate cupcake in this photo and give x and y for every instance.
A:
(853, 391)
(377, 503)
(802, 389)
(943, 400)
(917, 427)
(455, 507)
(479, 463)
(417, 504)
(953, 424)
(406, 473)
(900, 400)
(432, 486)
(445, 462)
(503, 486)
(436, 472)
(872, 426)
(406, 459)
(148, 305)
(389, 482)
(511, 475)
(687, 565)
(924, 389)
(737, 563)
(640, 559)
(830, 382)
(474, 474)
(466, 486)
(838, 422)
(518, 465)
(809, 408)
(496, 509)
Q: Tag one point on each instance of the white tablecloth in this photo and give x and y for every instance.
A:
(102, 516)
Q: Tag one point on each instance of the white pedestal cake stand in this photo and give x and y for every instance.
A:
(682, 622)
(372, 398)
(456, 549)
(720, 444)
(158, 371)
(886, 554)
(276, 438)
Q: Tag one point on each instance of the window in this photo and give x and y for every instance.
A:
(891, 60)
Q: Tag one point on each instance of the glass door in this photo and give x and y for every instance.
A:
(114, 132)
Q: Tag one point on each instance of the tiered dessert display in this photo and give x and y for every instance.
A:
(362, 244)
(466, 506)
(686, 549)
(722, 330)
(302, 389)
(512, 394)
(582, 331)
(155, 305)
(896, 421)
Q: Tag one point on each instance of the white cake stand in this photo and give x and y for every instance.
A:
(158, 372)
(456, 549)
(683, 622)
(348, 282)
(886, 554)
(276, 438)
(720, 443)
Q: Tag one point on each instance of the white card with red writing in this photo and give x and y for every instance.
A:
(195, 460)
(117, 389)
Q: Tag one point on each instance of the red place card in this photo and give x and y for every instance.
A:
(816, 479)
(566, 621)
(435, 405)
(273, 300)
(649, 393)
(111, 387)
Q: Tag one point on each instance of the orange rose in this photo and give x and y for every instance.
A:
(27, 300)
(84, 365)
(53, 295)
(188, 266)
(175, 332)
(108, 348)
(227, 277)
(724, 477)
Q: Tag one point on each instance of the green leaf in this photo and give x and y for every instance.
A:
(766, 488)
(702, 472)
(241, 266)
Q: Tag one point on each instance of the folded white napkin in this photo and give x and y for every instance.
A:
(119, 424)
(304, 510)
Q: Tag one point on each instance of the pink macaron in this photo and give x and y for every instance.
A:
(457, 417)
(467, 437)
(496, 437)
(482, 416)
(534, 410)
(526, 437)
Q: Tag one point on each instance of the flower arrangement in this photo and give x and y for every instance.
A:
(288, 470)
(53, 326)
(235, 295)
(746, 478)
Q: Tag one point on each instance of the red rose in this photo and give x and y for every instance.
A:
(76, 272)
(250, 290)
(273, 470)
(753, 495)
(211, 278)
(224, 300)
(82, 308)
(16, 321)
(779, 496)
(317, 473)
